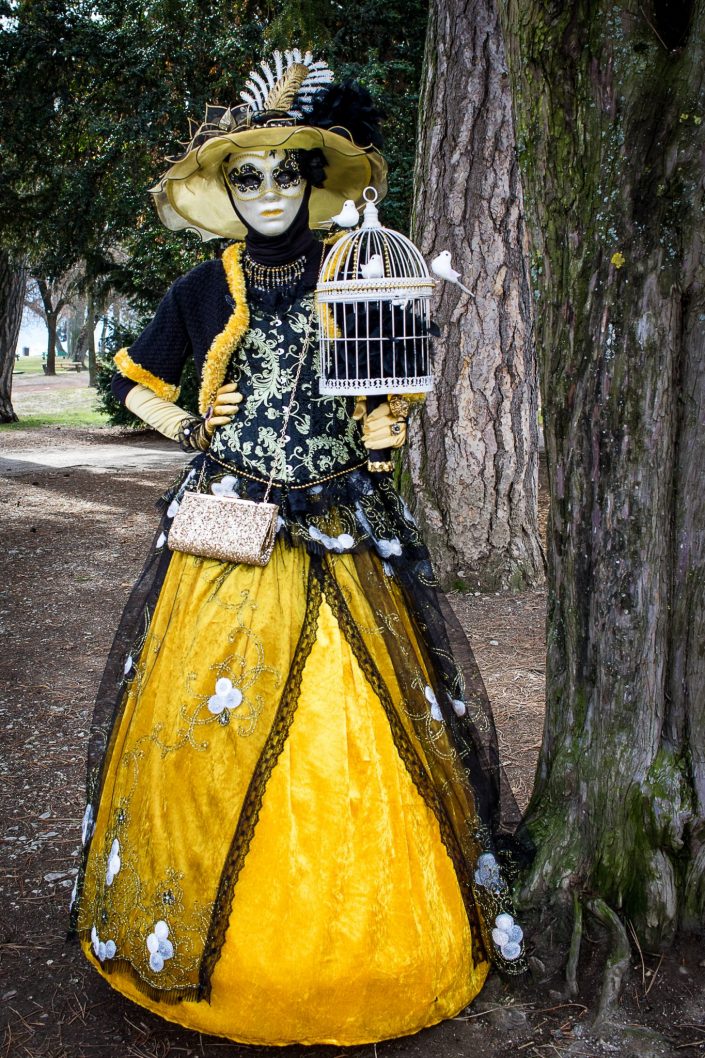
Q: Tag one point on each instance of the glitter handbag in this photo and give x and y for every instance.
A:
(226, 527)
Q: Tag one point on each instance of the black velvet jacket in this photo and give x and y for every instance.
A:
(194, 310)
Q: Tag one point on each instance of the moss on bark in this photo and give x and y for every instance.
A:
(611, 143)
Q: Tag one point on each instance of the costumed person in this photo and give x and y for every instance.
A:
(297, 827)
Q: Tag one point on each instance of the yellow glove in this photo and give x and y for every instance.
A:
(225, 406)
(161, 414)
(381, 429)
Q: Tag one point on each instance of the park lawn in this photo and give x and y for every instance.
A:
(63, 400)
(28, 365)
(59, 418)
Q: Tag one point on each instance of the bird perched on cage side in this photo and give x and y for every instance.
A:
(374, 268)
(443, 268)
(348, 216)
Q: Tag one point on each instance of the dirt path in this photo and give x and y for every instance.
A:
(78, 515)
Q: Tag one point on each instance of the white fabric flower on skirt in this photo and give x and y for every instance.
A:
(102, 949)
(487, 873)
(433, 702)
(159, 946)
(224, 487)
(113, 862)
(387, 548)
(459, 706)
(507, 936)
(340, 543)
(226, 696)
(87, 824)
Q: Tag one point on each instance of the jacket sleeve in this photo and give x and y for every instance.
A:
(157, 358)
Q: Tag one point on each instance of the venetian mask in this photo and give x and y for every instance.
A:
(267, 188)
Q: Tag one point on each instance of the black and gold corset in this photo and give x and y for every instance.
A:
(322, 437)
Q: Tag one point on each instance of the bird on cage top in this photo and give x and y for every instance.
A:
(348, 216)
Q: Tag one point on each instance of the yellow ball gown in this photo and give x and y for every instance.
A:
(283, 833)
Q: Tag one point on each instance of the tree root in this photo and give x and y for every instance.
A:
(618, 959)
(571, 969)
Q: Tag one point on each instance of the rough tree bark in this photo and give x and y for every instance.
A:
(610, 118)
(13, 280)
(473, 452)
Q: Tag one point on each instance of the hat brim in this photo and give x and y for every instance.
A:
(192, 194)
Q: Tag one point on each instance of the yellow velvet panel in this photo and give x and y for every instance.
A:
(347, 923)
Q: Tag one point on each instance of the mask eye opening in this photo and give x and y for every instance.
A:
(245, 179)
(286, 176)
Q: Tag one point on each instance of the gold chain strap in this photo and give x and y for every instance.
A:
(309, 484)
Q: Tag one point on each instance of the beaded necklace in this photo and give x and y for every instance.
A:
(269, 277)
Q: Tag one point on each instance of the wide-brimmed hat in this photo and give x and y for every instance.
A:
(292, 104)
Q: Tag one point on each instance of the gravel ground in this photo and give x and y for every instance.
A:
(74, 538)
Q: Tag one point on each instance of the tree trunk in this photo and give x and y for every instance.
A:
(473, 451)
(90, 325)
(13, 281)
(52, 323)
(102, 345)
(51, 317)
(80, 345)
(609, 115)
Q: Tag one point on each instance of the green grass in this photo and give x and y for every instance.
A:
(29, 365)
(34, 365)
(65, 418)
(60, 401)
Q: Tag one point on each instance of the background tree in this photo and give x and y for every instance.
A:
(55, 297)
(473, 453)
(80, 144)
(610, 112)
(83, 146)
(13, 281)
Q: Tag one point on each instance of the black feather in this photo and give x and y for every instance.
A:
(348, 107)
(312, 164)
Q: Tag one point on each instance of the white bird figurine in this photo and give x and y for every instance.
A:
(443, 268)
(374, 269)
(348, 216)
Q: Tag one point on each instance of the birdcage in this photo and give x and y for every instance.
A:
(373, 300)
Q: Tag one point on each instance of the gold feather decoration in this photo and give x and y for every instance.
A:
(284, 92)
(291, 86)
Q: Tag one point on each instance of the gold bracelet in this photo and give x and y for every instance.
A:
(385, 467)
(398, 406)
(400, 403)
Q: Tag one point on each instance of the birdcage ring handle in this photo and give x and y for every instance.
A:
(370, 194)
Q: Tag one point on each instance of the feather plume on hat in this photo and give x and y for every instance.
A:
(290, 102)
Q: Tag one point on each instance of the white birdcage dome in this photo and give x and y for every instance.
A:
(373, 299)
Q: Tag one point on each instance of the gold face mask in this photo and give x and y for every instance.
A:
(266, 187)
(254, 175)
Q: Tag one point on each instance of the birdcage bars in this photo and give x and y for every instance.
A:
(374, 312)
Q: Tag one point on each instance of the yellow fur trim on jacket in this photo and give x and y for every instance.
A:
(136, 373)
(327, 320)
(333, 259)
(225, 343)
